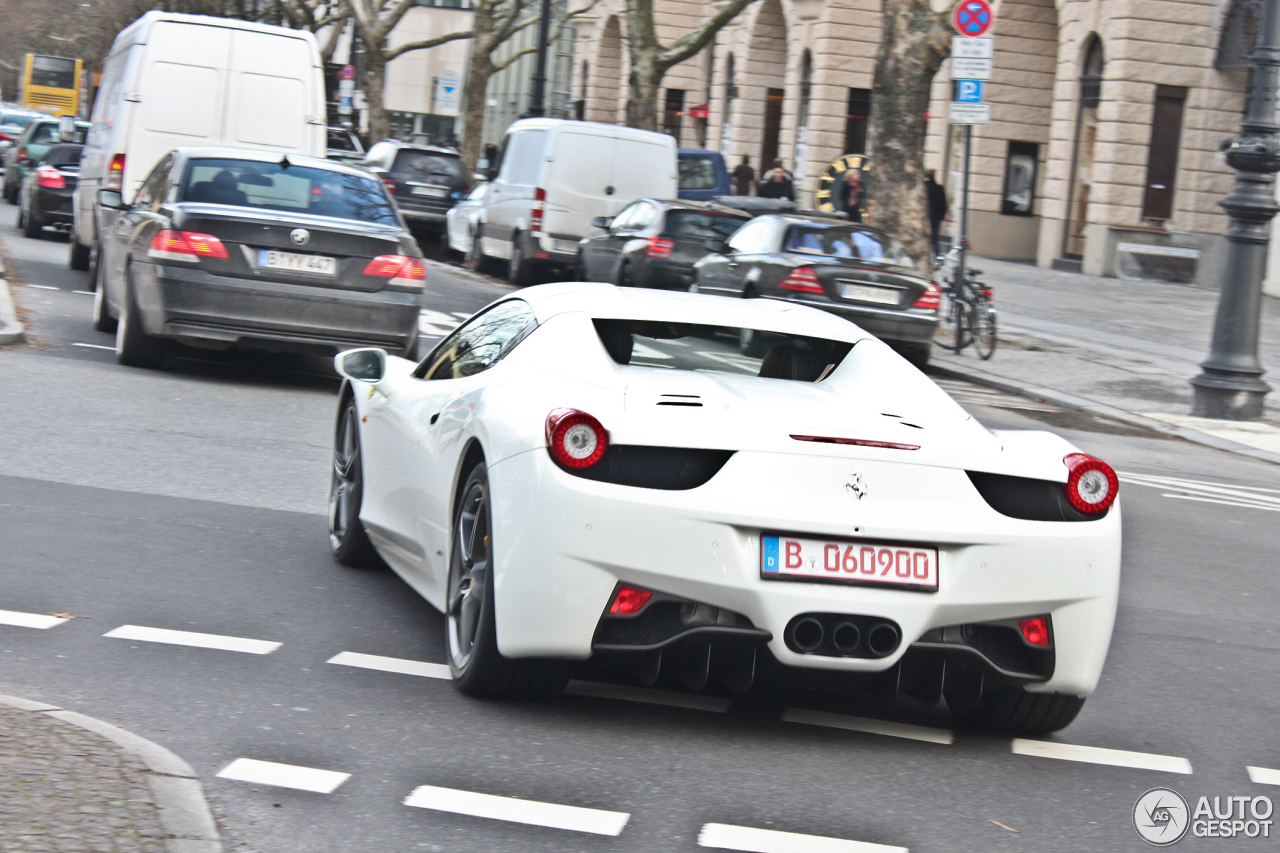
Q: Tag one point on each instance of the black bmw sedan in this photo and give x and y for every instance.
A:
(226, 247)
(862, 274)
(45, 194)
(653, 243)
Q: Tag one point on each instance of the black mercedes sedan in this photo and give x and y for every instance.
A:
(425, 180)
(45, 195)
(654, 243)
(226, 247)
(859, 273)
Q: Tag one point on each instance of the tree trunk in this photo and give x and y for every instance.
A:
(375, 75)
(644, 82)
(914, 41)
(473, 102)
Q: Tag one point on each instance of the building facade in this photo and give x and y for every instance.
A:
(1107, 115)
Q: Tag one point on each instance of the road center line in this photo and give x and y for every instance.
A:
(192, 638)
(1099, 755)
(530, 812)
(1263, 775)
(283, 775)
(627, 693)
(29, 620)
(729, 837)
(398, 665)
(864, 724)
(93, 346)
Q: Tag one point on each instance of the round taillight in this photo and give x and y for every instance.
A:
(576, 439)
(1092, 485)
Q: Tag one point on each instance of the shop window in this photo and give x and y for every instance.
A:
(855, 125)
(1162, 153)
(1020, 179)
(673, 112)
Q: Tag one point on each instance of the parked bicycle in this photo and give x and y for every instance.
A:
(970, 306)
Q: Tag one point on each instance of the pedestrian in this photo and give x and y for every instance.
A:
(937, 209)
(777, 185)
(744, 177)
(849, 195)
(490, 152)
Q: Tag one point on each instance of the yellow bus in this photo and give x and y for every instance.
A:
(51, 84)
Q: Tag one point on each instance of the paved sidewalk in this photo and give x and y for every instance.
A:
(73, 784)
(1125, 349)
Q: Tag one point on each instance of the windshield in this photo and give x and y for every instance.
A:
(720, 349)
(294, 189)
(844, 241)
(696, 225)
(428, 163)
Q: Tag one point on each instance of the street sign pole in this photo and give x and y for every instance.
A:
(970, 64)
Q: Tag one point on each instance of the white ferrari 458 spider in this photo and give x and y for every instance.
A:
(581, 473)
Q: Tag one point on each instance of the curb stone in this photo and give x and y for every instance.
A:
(183, 811)
(1092, 407)
(11, 331)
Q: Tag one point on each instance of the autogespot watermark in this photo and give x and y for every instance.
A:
(1162, 817)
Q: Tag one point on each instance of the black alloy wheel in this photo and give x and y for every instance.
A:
(347, 537)
(134, 347)
(478, 668)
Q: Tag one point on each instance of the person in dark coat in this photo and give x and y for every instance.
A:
(490, 153)
(743, 177)
(777, 183)
(937, 208)
(849, 195)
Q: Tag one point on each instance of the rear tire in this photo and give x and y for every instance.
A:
(623, 277)
(348, 540)
(984, 330)
(102, 319)
(478, 668)
(10, 192)
(78, 254)
(1012, 710)
(519, 268)
(480, 262)
(31, 226)
(134, 347)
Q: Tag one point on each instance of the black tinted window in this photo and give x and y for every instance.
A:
(480, 342)
(841, 241)
(295, 189)
(62, 155)
(340, 140)
(694, 225)
(425, 163)
(697, 173)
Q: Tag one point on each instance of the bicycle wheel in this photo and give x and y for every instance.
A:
(964, 324)
(984, 328)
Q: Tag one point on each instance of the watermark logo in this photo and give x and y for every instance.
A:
(1161, 817)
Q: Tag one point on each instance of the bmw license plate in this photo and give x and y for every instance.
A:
(871, 293)
(434, 192)
(848, 561)
(293, 262)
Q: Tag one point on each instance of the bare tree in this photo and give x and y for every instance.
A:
(914, 41)
(329, 16)
(650, 61)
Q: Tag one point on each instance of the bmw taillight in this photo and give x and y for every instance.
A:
(114, 179)
(4, 137)
(931, 299)
(50, 178)
(390, 184)
(629, 600)
(539, 206)
(1035, 630)
(803, 279)
(186, 246)
(659, 248)
(1092, 485)
(575, 439)
(21, 155)
(399, 269)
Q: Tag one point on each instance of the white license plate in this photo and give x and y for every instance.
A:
(567, 246)
(317, 264)
(870, 293)
(434, 192)
(848, 561)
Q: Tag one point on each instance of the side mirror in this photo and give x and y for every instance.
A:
(601, 222)
(720, 247)
(111, 200)
(67, 129)
(364, 365)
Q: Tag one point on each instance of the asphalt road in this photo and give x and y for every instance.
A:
(191, 500)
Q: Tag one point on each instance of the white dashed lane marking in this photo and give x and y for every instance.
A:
(725, 836)
(191, 638)
(1247, 497)
(93, 346)
(397, 665)
(43, 287)
(1263, 775)
(283, 775)
(1099, 755)
(84, 292)
(695, 701)
(29, 620)
(869, 726)
(553, 815)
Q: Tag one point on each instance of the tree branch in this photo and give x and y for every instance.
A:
(695, 40)
(392, 53)
(525, 51)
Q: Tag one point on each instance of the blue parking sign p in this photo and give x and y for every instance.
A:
(969, 91)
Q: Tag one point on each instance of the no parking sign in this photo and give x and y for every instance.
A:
(972, 17)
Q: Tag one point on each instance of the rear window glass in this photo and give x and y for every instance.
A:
(62, 155)
(17, 119)
(695, 225)
(425, 163)
(842, 241)
(295, 189)
(720, 349)
(49, 133)
(697, 173)
(340, 140)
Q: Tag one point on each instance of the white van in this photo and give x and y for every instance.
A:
(174, 80)
(553, 176)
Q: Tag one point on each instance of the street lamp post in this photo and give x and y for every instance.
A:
(538, 93)
(1230, 384)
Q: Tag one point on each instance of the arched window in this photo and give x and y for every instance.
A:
(1239, 35)
(1091, 73)
(806, 89)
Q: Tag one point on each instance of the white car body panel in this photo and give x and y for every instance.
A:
(562, 542)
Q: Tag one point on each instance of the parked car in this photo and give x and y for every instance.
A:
(857, 272)
(13, 120)
(462, 219)
(425, 180)
(344, 146)
(655, 243)
(727, 495)
(174, 80)
(553, 177)
(703, 175)
(31, 145)
(45, 198)
(229, 247)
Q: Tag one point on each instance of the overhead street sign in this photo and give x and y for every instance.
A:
(970, 69)
(970, 113)
(972, 17)
(963, 47)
